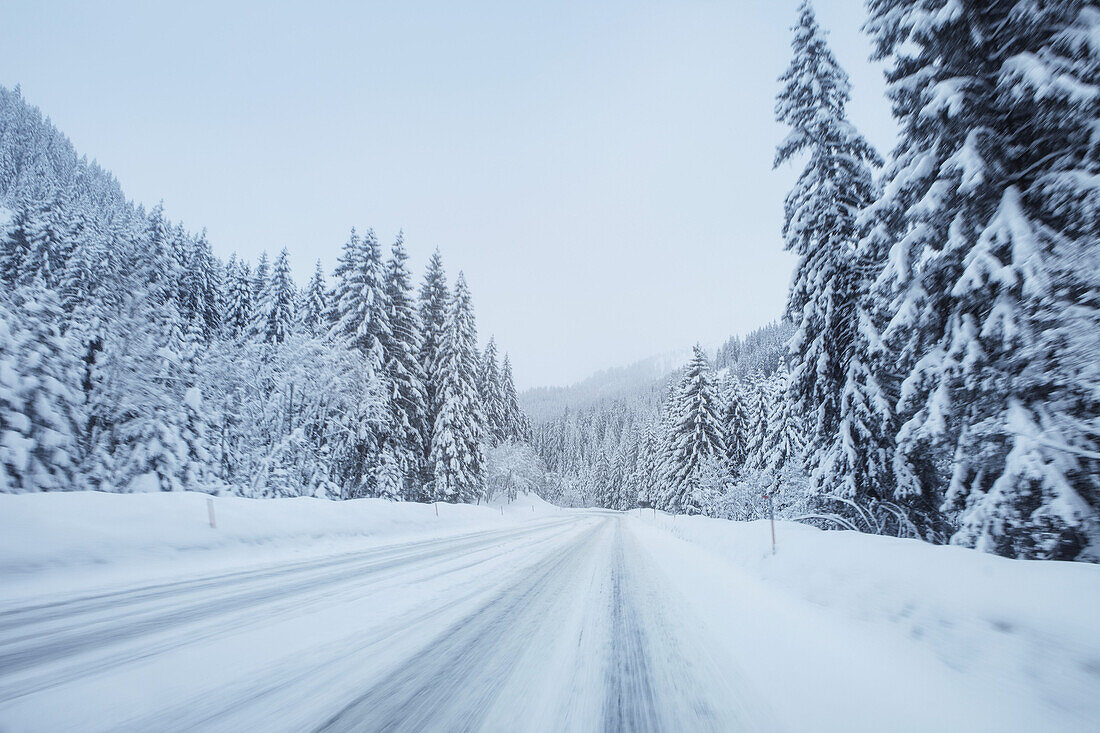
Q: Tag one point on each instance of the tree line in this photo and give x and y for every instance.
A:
(133, 359)
(941, 375)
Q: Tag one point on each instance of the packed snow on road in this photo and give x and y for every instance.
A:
(134, 613)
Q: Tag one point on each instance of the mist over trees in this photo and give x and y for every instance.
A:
(133, 359)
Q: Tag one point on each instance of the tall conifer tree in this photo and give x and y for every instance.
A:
(492, 396)
(827, 292)
(403, 368)
(457, 451)
(696, 436)
(314, 306)
(435, 304)
(275, 317)
(985, 207)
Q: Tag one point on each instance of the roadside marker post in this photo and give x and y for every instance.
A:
(436, 508)
(210, 512)
(771, 517)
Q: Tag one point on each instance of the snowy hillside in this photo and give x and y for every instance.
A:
(544, 403)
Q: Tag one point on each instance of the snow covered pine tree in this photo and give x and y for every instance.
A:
(989, 210)
(848, 418)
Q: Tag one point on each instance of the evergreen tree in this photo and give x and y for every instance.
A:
(202, 286)
(735, 424)
(314, 307)
(785, 438)
(517, 426)
(403, 368)
(159, 265)
(390, 480)
(820, 227)
(985, 206)
(82, 285)
(491, 391)
(435, 304)
(260, 277)
(239, 304)
(194, 429)
(648, 466)
(856, 465)
(696, 435)
(275, 316)
(15, 247)
(48, 235)
(41, 411)
(359, 312)
(757, 446)
(359, 308)
(457, 451)
(137, 440)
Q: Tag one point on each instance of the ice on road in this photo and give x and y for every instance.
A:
(579, 621)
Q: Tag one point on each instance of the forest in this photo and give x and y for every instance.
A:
(936, 373)
(134, 359)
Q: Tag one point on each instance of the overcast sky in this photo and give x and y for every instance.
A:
(600, 170)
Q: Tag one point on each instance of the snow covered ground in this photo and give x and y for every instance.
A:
(889, 634)
(52, 541)
(130, 612)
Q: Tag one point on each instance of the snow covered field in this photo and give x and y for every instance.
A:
(130, 612)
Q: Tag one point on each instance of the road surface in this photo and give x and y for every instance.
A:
(570, 621)
(559, 625)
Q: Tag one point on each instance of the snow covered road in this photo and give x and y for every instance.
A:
(545, 627)
(574, 621)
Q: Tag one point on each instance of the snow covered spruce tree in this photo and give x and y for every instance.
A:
(359, 315)
(40, 242)
(358, 312)
(275, 315)
(989, 213)
(201, 292)
(457, 450)
(41, 405)
(239, 304)
(491, 390)
(647, 468)
(847, 433)
(695, 437)
(259, 278)
(760, 408)
(516, 425)
(140, 439)
(435, 304)
(83, 289)
(401, 350)
(160, 264)
(735, 424)
(313, 309)
(785, 440)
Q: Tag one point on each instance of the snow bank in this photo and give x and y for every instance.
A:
(1029, 626)
(56, 540)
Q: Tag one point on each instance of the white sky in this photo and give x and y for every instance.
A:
(601, 170)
